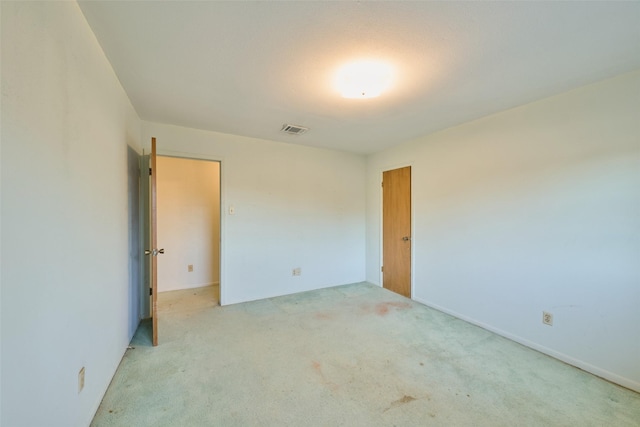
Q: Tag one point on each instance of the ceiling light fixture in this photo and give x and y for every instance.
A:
(364, 79)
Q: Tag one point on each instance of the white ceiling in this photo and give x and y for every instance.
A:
(246, 68)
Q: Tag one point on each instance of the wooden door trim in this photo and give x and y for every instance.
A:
(381, 172)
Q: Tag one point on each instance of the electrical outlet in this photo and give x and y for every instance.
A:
(190, 268)
(547, 318)
(296, 271)
(81, 379)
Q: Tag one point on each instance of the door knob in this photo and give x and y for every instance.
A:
(406, 238)
(153, 252)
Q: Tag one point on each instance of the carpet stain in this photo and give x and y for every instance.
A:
(318, 368)
(403, 400)
(382, 309)
(324, 316)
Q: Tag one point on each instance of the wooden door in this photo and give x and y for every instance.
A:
(396, 230)
(154, 252)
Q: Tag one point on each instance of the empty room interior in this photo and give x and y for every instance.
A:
(320, 213)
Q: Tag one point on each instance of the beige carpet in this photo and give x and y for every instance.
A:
(354, 355)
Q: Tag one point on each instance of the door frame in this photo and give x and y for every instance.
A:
(381, 172)
(220, 160)
(138, 286)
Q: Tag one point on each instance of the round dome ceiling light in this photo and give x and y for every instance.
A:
(364, 79)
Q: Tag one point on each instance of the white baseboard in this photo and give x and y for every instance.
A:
(198, 285)
(602, 373)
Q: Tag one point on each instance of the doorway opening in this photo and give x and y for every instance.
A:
(188, 211)
(181, 213)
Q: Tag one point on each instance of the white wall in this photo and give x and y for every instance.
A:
(66, 124)
(188, 222)
(536, 208)
(295, 206)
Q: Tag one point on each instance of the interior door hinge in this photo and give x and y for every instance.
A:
(382, 184)
(382, 269)
(150, 171)
(150, 291)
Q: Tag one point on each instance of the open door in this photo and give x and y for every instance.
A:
(154, 251)
(396, 230)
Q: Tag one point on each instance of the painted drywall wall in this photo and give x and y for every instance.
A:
(532, 209)
(66, 125)
(295, 207)
(188, 223)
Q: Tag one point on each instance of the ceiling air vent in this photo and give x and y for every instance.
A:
(294, 129)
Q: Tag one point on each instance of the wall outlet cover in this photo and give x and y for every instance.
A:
(547, 318)
(81, 379)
